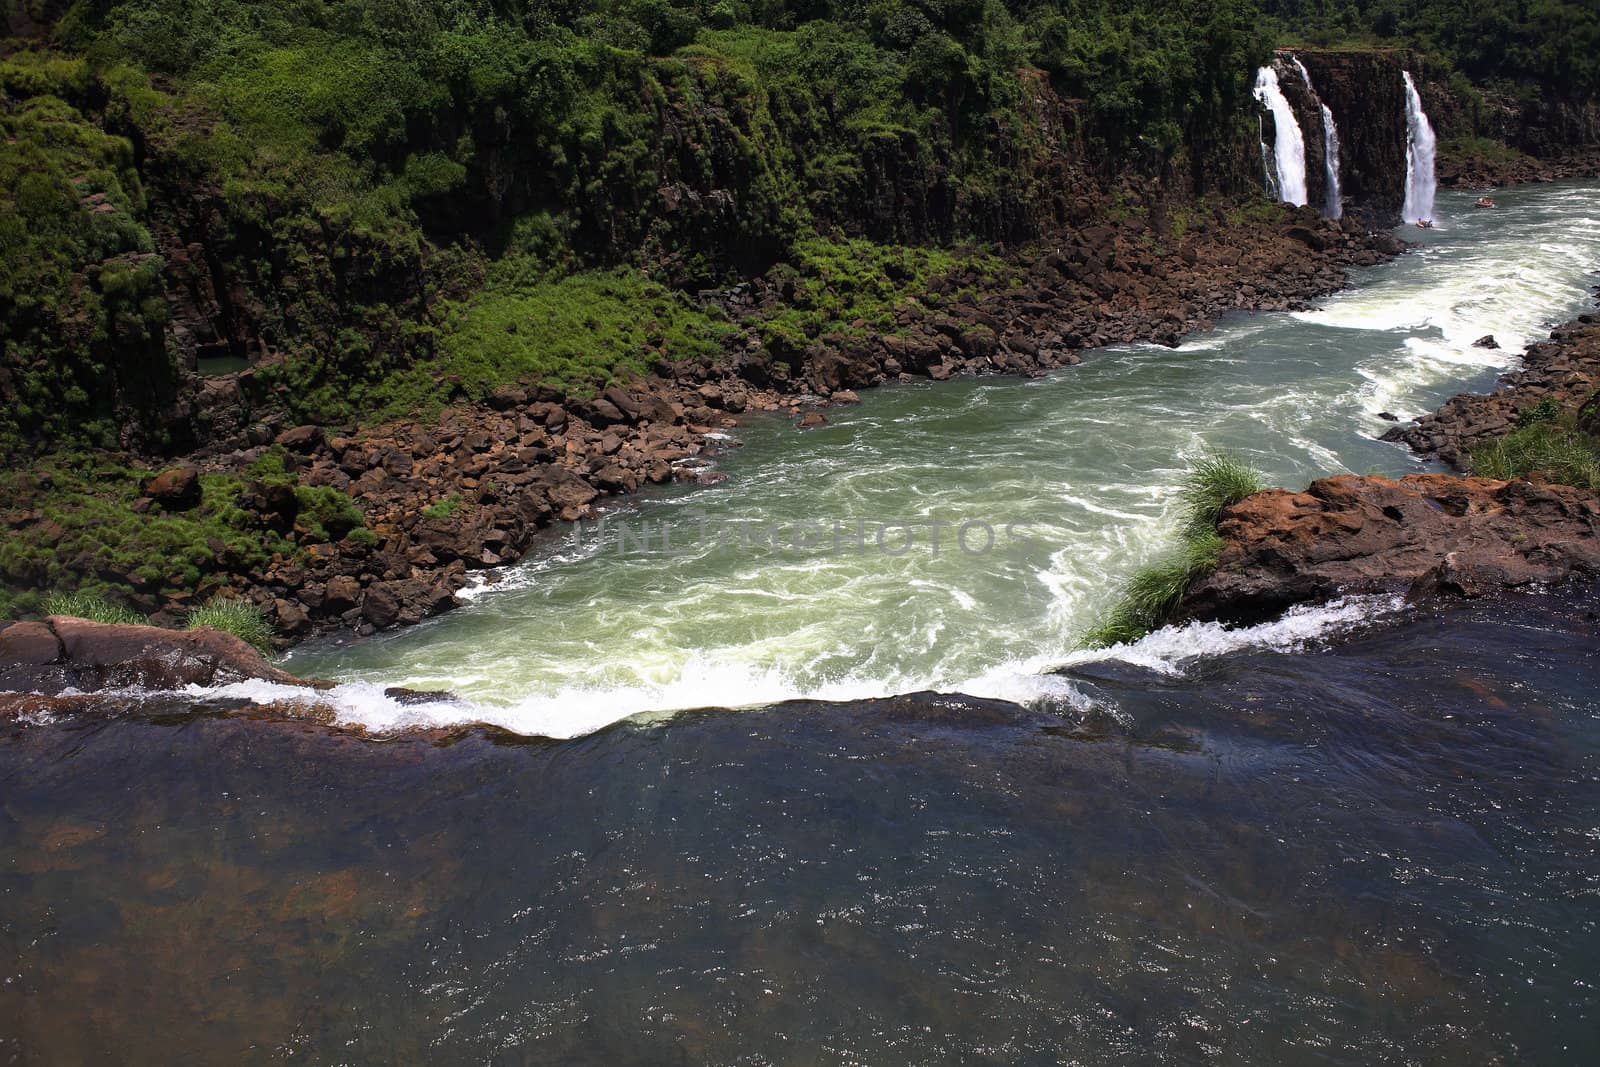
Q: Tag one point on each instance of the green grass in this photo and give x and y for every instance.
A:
(1152, 591)
(1485, 148)
(89, 535)
(579, 333)
(84, 605)
(1149, 595)
(1213, 483)
(1548, 442)
(443, 509)
(240, 618)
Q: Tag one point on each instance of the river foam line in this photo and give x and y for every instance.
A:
(580, 710)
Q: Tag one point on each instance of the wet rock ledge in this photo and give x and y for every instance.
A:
(63, 653)
(1422, 535)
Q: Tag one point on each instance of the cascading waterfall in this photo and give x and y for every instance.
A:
(1266, 159)
(1333, 206)
(1289, 148)
(1419, 157)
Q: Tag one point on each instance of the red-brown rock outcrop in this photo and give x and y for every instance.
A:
(1422, 534)
(63, 653)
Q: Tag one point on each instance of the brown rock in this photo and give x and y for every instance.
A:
(92, 656)
(177, 489)
(28, 644)
(381, 605)
(301, 439)
(343, 593)
(1425, 533)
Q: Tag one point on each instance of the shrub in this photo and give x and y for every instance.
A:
(327, 514)
(240, 618)
(1546, 410)
(90, 606)
(443, 509)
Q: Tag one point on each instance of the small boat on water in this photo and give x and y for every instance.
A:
(1484, 201)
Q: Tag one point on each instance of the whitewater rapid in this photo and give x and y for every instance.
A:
(1087, 459)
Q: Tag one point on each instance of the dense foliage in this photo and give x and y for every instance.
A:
(381, 195)
(1541, 46)
(328, 180)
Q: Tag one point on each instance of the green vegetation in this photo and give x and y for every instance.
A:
(326, 514)
(579, 332)
(457, 191)
(1541, 46)
(1473, 147)
(411, 202)
(83, 605)
(1213, 483)
(240, 618)
(91, 534)
(1547, 441)
(1149, 595)
(443, 509)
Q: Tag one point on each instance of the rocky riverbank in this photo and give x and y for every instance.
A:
(1420, 535)
(1429, 533)
(1564, 369)
(62, 654)
(1481, 172)
(471, 490)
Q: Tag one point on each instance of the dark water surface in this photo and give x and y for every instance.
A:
(1385, 850)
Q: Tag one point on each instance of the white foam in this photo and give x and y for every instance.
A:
(582, 709)
(1170, 649)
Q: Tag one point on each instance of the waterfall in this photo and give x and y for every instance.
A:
(1333, 206)
(1266, 158)
(1289, 149)
(1419, 157)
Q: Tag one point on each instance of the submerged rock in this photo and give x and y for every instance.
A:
(64, 653)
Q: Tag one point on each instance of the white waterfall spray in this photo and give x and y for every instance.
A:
(1267, 167)
(1333, 205)
(1289, 148)
(1419, 157)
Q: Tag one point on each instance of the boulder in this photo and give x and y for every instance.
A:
(380, 606)
(64, 652)
(1423, 534)
(343, 593)
(177, 489)
(301, 439)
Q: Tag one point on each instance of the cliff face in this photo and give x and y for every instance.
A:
(1366, 94)
(1308, 113)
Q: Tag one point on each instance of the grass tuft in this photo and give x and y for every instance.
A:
(240, 618)
(1153, 591)
(1550, 444)
(82, 605)
(1213, 483)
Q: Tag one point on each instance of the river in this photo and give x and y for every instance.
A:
(1365, 833)
(1064, 484)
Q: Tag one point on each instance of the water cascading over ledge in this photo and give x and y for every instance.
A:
(1420, 181)
(1287, 177)
(1364, 90)
(1333, 198)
